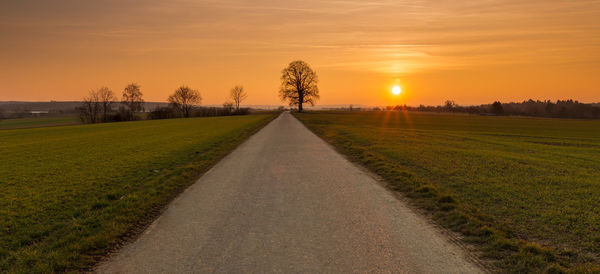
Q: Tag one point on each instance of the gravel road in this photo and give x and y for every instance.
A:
(285, 201)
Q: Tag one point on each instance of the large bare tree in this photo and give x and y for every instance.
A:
(299, 84)
(132, 98)
(238, 94)
(107, 98)
(184, 99)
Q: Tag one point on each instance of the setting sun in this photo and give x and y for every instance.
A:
(396, 90)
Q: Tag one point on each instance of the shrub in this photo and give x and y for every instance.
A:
(162, 113)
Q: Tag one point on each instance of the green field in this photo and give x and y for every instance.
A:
(39, 122)
(69, 194)
(525, 190)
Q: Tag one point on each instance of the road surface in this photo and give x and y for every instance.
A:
(284, 201)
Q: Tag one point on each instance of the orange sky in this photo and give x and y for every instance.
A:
(469, 51)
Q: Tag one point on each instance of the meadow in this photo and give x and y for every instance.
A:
(524, 191)
(39, 122)
(69, 194)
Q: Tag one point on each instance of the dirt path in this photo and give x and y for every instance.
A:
(284, 201)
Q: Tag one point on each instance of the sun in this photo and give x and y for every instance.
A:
(396, 90)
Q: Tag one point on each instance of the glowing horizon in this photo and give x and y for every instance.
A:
(471, 52)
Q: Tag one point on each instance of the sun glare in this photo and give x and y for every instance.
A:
(396, 90)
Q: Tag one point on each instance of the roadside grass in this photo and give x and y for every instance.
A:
(39, 122)
(526, 191)
(70, 194)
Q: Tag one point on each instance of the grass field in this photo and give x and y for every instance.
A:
(525, 190)
(38, 122)
(69, 194)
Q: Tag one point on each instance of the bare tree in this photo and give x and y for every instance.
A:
(184, 99)
(238, 94)
(299, 84)
(132, 99)
(107, 98)
(90, 107)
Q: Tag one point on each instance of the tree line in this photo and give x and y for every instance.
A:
(298, 87)
(102, 105)
(551, 109)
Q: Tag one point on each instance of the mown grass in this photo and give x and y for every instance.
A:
(525, 190)
(39, 122)
(71, 193)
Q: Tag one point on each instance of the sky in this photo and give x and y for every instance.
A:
(471, 52)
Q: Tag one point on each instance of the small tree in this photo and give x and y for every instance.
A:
(228, 107)
(184, 99)
(106, 98)
(238, 94)
(549, 108)
(497, 108)
(132, 99)
(90, 107)
(299, 84)
(449, 104)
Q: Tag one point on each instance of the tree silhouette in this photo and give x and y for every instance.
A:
(184, 99)
(132, 98)
(228, 107)
(106, 98)
(90, 107)
(497, 108)
(238, 94)
(299, 84)
(450, 104)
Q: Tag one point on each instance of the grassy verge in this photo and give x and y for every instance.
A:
(38, 122)
(524, 190)
(70, 194)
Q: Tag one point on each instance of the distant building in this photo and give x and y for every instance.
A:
(38, 112)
